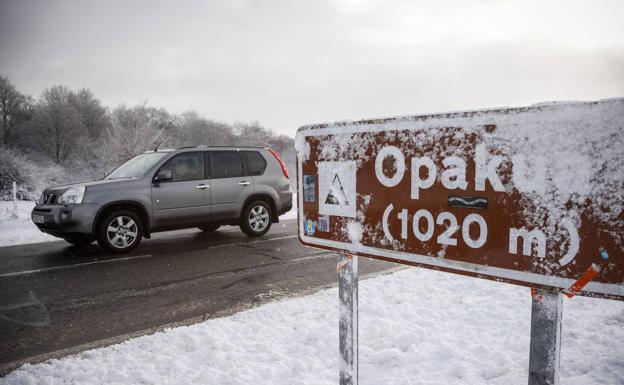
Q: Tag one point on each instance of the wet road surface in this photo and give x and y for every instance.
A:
(57, 300)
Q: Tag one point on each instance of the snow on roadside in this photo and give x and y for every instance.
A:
(416, 327)
(20, 230)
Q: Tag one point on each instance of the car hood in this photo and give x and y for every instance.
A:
(91, 183)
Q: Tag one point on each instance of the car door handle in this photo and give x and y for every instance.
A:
(202, 186)
(244, 183)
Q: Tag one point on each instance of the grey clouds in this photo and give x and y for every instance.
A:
(289, 63)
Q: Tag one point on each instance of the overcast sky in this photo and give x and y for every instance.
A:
(289, 63)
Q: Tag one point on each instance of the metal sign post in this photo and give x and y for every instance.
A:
(348, 321)
(546, 314)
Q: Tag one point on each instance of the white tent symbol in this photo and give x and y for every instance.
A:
(337, 188)
(336, 194)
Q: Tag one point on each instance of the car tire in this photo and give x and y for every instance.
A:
(120, 232)
(256, 219)
(209, 228)
(79, 241)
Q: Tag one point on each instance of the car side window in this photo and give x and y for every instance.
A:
(186, 166)
(255, 162)
(227, 164)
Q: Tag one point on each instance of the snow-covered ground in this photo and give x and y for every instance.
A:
(19, 229)
(416, 327)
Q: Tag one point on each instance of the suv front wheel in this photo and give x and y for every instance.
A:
(120, 232)
(256, 220)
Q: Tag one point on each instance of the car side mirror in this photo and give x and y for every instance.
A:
(163, 175)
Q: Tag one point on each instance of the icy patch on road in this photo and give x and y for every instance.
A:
(416, 327)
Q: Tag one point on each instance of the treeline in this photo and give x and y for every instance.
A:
(68, 135)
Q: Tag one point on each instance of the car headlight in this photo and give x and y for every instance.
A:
(72, 195)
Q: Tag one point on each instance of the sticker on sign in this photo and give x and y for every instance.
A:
(530, 196)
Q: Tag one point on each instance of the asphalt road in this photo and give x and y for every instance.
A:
(56, 299)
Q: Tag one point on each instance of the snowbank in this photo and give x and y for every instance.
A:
(20, 230)
(416, 327)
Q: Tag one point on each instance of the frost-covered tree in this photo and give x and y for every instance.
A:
(56, 125)
(92, 115)
(94, 120)
(192, 130)
(254, 134)
(133, 130)
(13, 108)
(86, 140)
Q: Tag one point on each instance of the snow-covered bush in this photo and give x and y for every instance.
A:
(15, 167)
(31, 179)
(48, 176)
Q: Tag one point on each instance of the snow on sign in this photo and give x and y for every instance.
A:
(531, 196)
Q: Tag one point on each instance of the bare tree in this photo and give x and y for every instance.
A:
(192, 129)
(92, 115)
(85, 139)
(132, 131)
(57, 124)
(254, 134)
(11, 107)
(94, 120)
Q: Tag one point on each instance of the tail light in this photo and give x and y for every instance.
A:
(281, 162)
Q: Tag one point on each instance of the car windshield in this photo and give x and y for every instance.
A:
(137, 166)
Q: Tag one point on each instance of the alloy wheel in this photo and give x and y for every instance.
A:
(122, 232)
(258, 218)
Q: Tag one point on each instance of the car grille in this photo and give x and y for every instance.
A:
(48, 199)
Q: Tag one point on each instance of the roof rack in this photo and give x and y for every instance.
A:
(159, 150)
(218, 146)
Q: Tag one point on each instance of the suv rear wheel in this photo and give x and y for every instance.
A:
(256, 220)
(120, 232)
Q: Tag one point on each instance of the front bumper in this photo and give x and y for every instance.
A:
(65, 220)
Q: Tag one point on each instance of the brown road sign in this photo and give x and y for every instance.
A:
(531, 196)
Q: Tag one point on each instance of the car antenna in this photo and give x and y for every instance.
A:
(158, 145)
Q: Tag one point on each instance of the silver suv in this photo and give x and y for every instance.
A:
(162, 190)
